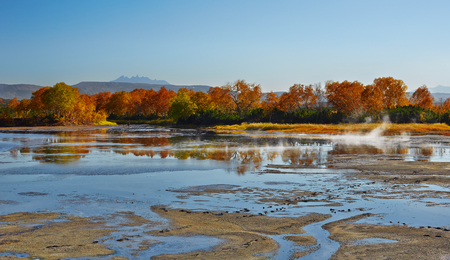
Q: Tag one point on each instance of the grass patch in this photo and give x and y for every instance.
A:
(390, 129)
(162, 122)
(105, 123)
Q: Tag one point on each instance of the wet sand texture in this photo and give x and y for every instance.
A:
(308, 242)
(413, 243)
(401, 171)
(244, 234)
(52, 236)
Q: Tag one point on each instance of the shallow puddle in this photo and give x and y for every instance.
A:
(370, 241)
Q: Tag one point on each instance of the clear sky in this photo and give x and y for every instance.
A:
(272, 43)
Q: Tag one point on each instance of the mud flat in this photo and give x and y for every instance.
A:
(404, 172)
(390, 242)
(245, 234)
(52, 236)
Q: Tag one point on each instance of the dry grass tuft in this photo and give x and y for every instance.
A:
(390, 129)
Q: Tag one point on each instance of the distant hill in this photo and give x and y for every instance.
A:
(440, 89)
(440, 97)
(138, 79)
(96, 87)
(88, 87)
(20, 91)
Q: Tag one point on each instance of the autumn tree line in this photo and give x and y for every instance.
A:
(233, 103)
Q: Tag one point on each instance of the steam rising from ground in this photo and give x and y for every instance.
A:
(374, 138)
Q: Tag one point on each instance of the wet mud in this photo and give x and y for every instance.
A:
(56, 236)
(404, 172)
(245, 234)
(52, 236)
(273, 200)
(411, 242)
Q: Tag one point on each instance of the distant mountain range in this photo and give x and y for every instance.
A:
(138, 79)
(22, 91)
(96, 87)
(440, 89)
(440, 97)
(440, 93)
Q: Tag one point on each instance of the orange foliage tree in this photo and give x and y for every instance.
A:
(446, 104)
(288, 102)
(24, 108)
(308, 96)
(136, 98)
(148, 102)
(422, 98)
(102, 100)
(202, 100)
(372, 99)
(36, 99)
(119, 102)
(319, 94)
(345, 96)
(296, 95)
(270, 103)
(86, 111)
(221, 99)
(162, 101)
(13, 107)
(393, 92)
(245, 96)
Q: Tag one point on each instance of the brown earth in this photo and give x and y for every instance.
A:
(413, 243)
(52, 236)
(269, 197)
(244, 234)
(401, 172)
(384, 170)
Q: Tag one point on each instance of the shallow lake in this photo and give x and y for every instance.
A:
(102, 171)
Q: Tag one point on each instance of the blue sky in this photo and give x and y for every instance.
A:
(272, 43)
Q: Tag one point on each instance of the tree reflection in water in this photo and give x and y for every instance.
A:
(243, 154)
